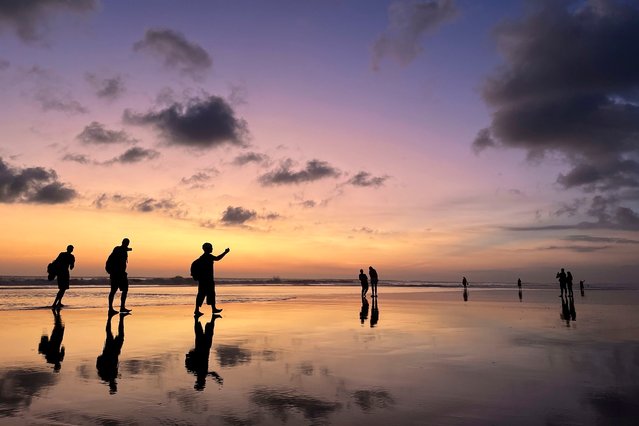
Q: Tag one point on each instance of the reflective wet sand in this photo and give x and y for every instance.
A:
(321, 356)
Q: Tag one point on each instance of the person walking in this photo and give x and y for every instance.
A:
(363, 279)
(202, 272)
(373, 274)
(116, 267)
(569, 283)
(62, 264)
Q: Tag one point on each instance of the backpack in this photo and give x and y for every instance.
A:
(52, 270)
(196, 269)
(110, 264)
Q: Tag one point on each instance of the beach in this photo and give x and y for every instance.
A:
(318, 355)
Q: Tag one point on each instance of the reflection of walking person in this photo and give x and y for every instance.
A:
(363, 313)
(202, 272)
(363, 279)
(116, 267)
(197, 359)
(373, 273)
(107, 362)
(374, 313)
(51, 347)
(61, 266)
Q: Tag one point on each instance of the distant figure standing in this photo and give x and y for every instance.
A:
(569, 283)
(519, 282)
(202, 272)
(562, 281)
(464, 282)
(373, 273)
(581, 287)
(62, 264)
(116, 267)
(363, 279)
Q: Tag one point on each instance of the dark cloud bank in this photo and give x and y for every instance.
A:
(237, 215)
(29, 18)
(199, 123)
(284, 175)
(32, 185)
(175, 51)
(570, 85)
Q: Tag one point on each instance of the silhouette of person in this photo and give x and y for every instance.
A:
(374, 313)
(363, 313)
(562, 281)
(51, 347)
(464, 282)
(581, 288)
(197, 359)
(374, 278)
(569, 283)
(363, 279)
(465, 294)
(116, 267)
(107, 362)
(519, 282)
(63, 263)
(205, 278)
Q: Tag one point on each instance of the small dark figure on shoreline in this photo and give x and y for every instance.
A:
(581, 288)
(363, 279)
(116, 268)
(202, 272)
(374, 278)
(464, 282)
(61, 266)
(519, 282)
(569, 283)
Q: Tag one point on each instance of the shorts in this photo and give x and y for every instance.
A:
(206, 289)
(63, 283)
(119, 281)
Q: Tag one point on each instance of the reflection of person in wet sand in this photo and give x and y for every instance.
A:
(465, 294)
(363, 279)
(521, 295)
(363, 313)
(62, 264)
(107, 362)
(565, 311)
(571, 307)
(51, 347)
(374, 278)
(197, 359)
(374, 313)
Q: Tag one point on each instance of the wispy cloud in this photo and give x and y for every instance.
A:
(97, 133)
(109, 88)
(365, 179)
(284, 175)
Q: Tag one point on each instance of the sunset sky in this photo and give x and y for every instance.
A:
(432, 139)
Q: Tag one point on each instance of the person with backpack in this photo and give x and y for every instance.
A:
(60, 268)
(116, 268)
(202, 272)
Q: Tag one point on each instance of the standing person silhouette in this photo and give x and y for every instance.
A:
(363, 279)
(569, 282)
(464, 282)
(202, 272)
(63, 263)
(116, 267)
(519, 282)
(373, 273)
(562, 281)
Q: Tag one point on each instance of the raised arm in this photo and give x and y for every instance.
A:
(221, 256)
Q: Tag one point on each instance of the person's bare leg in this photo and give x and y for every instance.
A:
(111, 296)
(123, 302)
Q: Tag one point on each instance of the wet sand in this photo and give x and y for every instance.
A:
(312, 356)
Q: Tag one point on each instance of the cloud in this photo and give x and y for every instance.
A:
(77, 158)
(96, 133)
(151, 204)
(175, 51)
(591, 239)
(284, 402)
(576, 249)
(32, 185)
(51, 100)
(366, 179)
(134, 155)
(199, 123)
(409, 22)
(29, 18)
(106, 87)
(314, 170)
(196, 180)
(237, 215)
(250, 157)
(143, 204)
(232, 355)
(569, 86)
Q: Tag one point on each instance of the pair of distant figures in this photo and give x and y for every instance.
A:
(565, 283)
(116, 263)
(363, 279)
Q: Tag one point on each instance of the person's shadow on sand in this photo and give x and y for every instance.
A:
(107, 362)
(465, 294)
(197, 359)
(363, 313)
(374, 313)
(521, 295)
(51, 346)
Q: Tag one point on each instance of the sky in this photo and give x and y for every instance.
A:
(432, 139)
